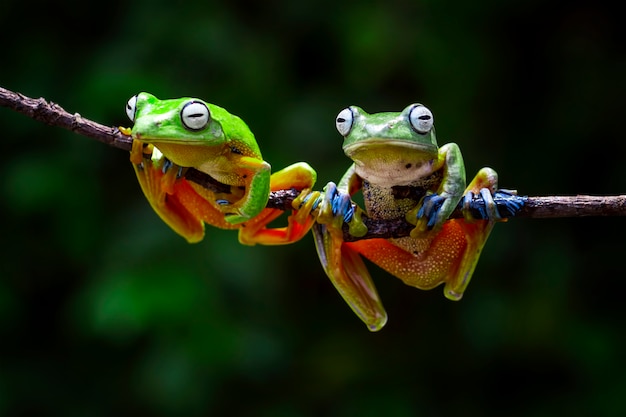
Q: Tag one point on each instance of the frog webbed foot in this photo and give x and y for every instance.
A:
(336, 207)
(305, 204)
(430, 214)
(508, 202)
(480, 206)
(429, 210)
(493, 206)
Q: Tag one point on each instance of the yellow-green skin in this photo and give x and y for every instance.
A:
(396, 163)
(170, 136)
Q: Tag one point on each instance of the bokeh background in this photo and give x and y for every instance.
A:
(105, 311)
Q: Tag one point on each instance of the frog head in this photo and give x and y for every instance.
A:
(187, 120)
(189, 131)
(390, 148)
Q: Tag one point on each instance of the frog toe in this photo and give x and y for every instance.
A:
(336, 207)
(493, 206)
(305, 203)
(430, 209)
(508, 202)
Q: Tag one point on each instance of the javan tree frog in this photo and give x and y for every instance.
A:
(402, 173)
(170, 136)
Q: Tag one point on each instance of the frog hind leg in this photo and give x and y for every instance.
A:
(421, 263)
(202, 204)
(160, 191)
(448, 256)
(476, 233)
(299, 176)
(349, 275)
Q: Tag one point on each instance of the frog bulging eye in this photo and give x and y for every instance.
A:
(344, 121)
(421, 119)
(131, 108)
(195, 115)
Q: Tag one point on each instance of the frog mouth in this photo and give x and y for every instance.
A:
(173, 140)
(394, 146)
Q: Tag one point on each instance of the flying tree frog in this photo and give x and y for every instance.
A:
(401, 172)
(171, 136)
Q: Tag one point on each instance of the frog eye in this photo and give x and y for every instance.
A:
(344, 121)
(195, 115)
(131, 108)
(421, 119)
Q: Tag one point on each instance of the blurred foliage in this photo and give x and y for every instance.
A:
(105, 311)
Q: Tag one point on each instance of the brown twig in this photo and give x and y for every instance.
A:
(54, 115)
(534, 207)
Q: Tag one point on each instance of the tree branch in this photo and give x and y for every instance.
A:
(54, 115)
(533, 207)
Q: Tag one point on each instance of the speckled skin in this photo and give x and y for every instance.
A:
(395, 166)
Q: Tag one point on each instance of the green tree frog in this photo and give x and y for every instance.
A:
(170, 136)
(401, 172)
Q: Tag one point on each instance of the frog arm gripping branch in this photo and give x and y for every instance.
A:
(300, 177)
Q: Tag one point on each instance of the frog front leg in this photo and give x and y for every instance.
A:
(300, 176)
(447, 195)
(256, 173)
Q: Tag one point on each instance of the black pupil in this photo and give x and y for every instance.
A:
(424, 117)
(195, 115)
(340, 120)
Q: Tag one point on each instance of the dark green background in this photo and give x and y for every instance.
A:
(105, 311)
